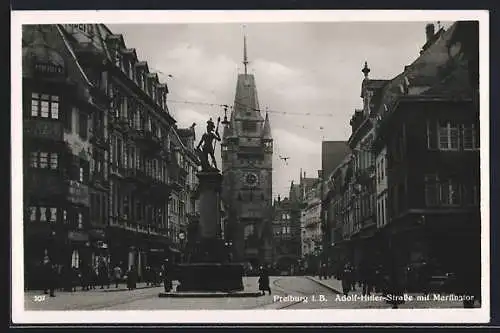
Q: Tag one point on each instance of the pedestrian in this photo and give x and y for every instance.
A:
(117, 274)
(166, 275)
(103, 274)
(75, 278)
(264, 281)
(50, 277)
(132, 278)
(346, 276)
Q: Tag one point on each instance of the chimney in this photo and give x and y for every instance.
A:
(279, 198)
(429, 32)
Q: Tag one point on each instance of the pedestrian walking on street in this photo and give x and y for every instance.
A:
(75, 278)
(264, 281)
(103, 274)
(347, 277)
(117, 275)
(167, 279)
(132, 278)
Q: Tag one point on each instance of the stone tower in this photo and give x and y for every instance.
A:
(247, 151)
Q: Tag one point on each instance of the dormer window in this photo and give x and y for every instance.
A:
(118, 58)
(153, 92)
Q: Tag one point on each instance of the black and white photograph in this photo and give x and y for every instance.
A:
(250, 164)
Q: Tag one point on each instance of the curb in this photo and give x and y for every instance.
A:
(208, 294)
(125, 289)
(324, 285)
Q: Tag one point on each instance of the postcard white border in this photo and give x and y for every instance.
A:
(20, 316)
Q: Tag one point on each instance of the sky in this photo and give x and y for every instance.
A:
(308, 76)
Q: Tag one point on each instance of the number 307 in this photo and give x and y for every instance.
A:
(39, 298)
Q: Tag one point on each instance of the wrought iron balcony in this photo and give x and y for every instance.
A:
(97, 138)
(43, 129)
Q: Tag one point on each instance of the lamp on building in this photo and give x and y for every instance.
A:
(225, 121)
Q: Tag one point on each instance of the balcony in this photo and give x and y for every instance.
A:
(97, 139)
(45, 183)
(119, 124)
(98, 181)
(175, 184)
(43, 129)
(78, 193)
(146, 139)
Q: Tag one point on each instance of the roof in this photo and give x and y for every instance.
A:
(246, 102)
(332, 154)
(266, 130)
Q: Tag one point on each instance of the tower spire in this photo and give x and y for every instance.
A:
(245, 59)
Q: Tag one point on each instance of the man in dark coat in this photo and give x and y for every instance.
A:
(50, 277)
(264, 281)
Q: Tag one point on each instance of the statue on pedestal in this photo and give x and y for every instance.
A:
(208, 141)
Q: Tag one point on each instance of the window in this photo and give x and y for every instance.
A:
(249, 126)
(44, 106)
(470, 137)
(75, 259)
(65, 216)
(44, 160)
(448, 136)
(249, 231)
(450, 193)
(80, 221)
(32, 213)
(83, 126)
(53, 215)
(68, 120)
(80, 174)
(42, 214)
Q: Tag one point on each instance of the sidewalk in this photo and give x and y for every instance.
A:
(417, 299)
(121, 287)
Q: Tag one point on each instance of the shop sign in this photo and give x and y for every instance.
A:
(156, 250)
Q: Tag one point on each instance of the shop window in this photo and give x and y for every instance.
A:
(44, 106)
(80, 221)
(75, 259)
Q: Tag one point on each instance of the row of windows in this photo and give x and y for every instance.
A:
(446, 135)
(449, 192)
(140, 77)
(44, 106)
(50, 215)
(44, 160)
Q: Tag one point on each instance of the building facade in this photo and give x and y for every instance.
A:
(247, 150)
(98, 135)
(286, 236)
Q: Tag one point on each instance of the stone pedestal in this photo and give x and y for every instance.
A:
(209, 270)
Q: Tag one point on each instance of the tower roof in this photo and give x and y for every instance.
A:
(228, 129)
(266, 131)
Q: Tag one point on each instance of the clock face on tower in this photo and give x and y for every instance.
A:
(251, 179)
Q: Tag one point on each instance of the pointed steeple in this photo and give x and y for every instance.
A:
(228, 129)
(266, 131)
(245, 58)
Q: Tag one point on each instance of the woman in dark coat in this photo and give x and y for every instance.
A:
(264, 281)
(132, 278)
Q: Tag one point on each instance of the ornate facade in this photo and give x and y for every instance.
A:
(247, 150)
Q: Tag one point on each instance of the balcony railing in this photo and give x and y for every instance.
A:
(97, 138)
(78, 193)
(43, 129)
(119, 124)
